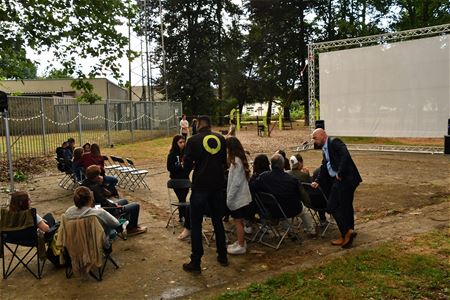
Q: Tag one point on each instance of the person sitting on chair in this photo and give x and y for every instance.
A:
(87, 148)
(298, 170)
(94, 181)
(22, 201)
(302, 174)
(64, 157)
(77, 168)
(95, 158)
(177, 171)
(84, 206)
(286, 161)
(287, 190)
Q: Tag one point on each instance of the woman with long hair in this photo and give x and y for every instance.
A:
(77, 168)
(22, 201)
(177, 171)
(95, 158)
(238, 192)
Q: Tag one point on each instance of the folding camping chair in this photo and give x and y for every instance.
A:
(279, 227)
(173, 184)
(318, 197)
(85, 246)
(137, 176)
(20, 229)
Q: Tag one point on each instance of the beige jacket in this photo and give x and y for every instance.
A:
(84, 239)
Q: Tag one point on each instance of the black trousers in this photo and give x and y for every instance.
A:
(202, 203)
(340, 202)
(181, 195)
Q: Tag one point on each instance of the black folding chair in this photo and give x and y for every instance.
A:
(71, 245)
(318, 203)
(274, 221)
(173, 184)
(17, 230)
(69, 180)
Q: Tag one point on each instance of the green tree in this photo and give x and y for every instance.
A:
(71, 30)
(14, 64)
(421, 13)
(277, 44)
(193, 34)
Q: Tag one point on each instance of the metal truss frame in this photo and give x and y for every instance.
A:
(365, 41)
(381, 148)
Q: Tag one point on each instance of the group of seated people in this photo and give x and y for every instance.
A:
(76, 160)
(278, 176)
(91, 198)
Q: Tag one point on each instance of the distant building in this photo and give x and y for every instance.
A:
(137, 93)
(61, 88)
(259, 109)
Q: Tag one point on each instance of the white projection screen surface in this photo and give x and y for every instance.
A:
(392, 90)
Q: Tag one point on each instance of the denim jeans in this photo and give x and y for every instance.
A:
(210, 203)
(131, 212)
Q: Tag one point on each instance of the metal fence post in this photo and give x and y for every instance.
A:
(44, 143)
(107, 122)
(131, 123)
(8, 152)
(80, 136)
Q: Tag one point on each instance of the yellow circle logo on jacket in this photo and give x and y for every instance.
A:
(208, 148)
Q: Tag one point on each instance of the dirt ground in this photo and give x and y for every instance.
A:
(402, 194)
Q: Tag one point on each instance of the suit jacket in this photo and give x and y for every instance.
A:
(341, 162)
(286, 189)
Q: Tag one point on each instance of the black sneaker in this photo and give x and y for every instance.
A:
(223, 261)
(192, 268)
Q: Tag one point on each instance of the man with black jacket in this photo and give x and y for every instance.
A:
(94, 181)
(206, 154)
(338, 177)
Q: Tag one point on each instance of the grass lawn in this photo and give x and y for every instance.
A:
(153, 150)
(415, 269)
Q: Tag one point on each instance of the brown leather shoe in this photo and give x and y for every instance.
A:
(348, 240)
(338, 242)
(137, 230)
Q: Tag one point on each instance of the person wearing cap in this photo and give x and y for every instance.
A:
(297, 169)
(338, 177)
(206, 154)
(302, 174)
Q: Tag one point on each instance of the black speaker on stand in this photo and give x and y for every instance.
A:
(3, 102)
(447, 140)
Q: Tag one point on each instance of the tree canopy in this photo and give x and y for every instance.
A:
(70, 29)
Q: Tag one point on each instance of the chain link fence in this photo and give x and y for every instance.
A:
(39, 124)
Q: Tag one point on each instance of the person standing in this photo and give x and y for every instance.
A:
(194, 126)
(206, 153)
(184, 127)
(238, 192)
(338, 177)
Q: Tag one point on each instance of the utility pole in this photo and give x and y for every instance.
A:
(129, 55)
(161, 18)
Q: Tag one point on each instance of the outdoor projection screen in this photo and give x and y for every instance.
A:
(391, 90)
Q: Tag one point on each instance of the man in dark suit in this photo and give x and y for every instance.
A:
(338, 178)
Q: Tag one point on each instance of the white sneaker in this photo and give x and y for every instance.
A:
(231, 246)
(237, 249)
(248, 229)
